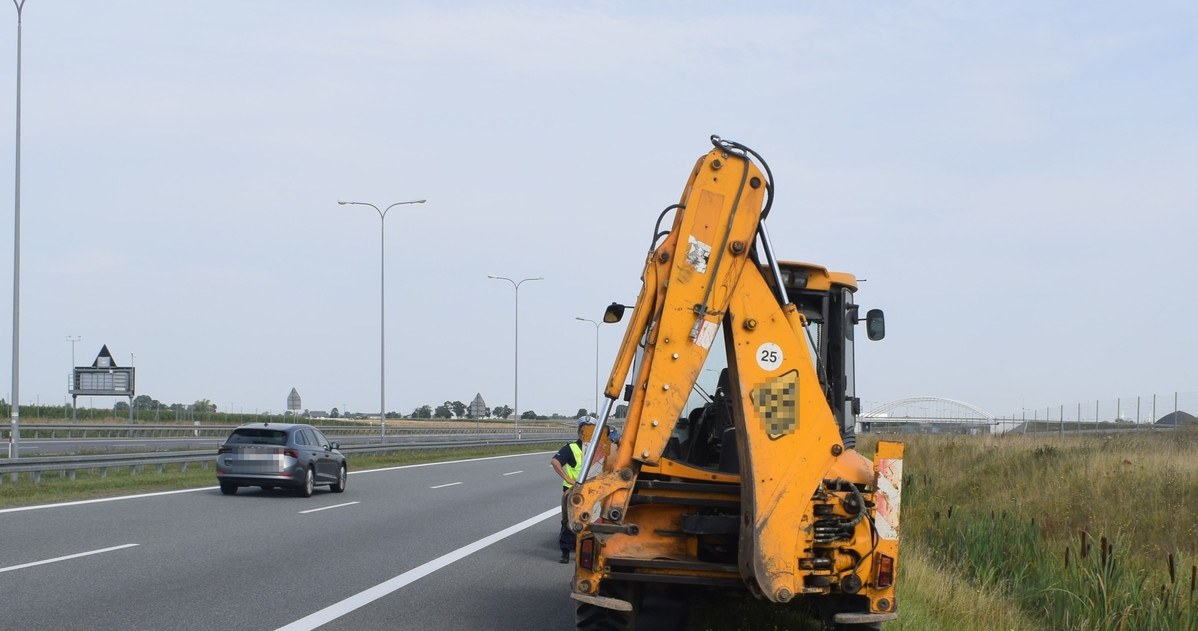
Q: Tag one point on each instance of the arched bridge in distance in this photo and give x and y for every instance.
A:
(927, 414)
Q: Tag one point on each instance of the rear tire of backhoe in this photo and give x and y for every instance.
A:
(593, 618)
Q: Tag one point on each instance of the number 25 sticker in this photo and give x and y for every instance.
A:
(769, 356)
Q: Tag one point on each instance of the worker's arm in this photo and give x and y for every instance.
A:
(561, 471)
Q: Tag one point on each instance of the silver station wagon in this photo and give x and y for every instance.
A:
(280, 455)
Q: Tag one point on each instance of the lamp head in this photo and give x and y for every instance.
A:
(614, 313)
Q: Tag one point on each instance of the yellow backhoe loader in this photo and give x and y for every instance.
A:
(736, 465)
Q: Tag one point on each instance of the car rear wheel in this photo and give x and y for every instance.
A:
(339, 485)
(309, 483)
(228, 488)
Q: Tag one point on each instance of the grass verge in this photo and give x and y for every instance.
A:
(1090, 533)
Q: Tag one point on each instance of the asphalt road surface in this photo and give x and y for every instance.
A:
(461, 545)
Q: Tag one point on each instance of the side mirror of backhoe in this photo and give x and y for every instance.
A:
(875, 324)
(614, 313)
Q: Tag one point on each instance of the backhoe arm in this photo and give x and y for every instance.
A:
(688, 281)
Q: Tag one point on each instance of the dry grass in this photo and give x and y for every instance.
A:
(1143, 486)
(1008, 511)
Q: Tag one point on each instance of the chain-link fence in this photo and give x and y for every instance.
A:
(1156, 411)
(937, 415)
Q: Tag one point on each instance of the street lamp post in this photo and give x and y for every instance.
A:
(132, 385)
(72, 339)
(382, 306)
(596, 359)
(516, 354)
(14, 441)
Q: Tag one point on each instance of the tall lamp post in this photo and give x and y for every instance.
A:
(382, 306)
(14, 441)
(72, 339)
(596, 359)
(516, 361)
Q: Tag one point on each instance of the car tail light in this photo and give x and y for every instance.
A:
(885, 571)
(586, 553)
(224, 450)
(291, 453)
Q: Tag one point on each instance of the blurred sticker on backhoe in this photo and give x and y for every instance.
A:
(706, 334)
(888, 496)
(697, 254)
(777, 403)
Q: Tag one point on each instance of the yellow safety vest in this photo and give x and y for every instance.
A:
(572, 471)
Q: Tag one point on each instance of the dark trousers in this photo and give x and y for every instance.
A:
(565, 539)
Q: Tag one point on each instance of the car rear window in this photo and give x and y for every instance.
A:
(258, 436)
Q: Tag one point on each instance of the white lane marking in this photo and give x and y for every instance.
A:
(103, 499)
(433, 464)
(65, 558)
(441, 486)
(512, 473)
(314, 510)
(361, 599)
(98, 500)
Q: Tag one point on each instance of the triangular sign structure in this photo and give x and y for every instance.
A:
(104, 359)
(478, 407)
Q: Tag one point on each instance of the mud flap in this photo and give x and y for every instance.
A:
(863, 618)
(603, 601)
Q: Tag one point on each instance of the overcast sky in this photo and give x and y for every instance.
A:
(1017, 181)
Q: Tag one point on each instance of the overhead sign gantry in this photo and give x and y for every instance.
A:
(102, 379)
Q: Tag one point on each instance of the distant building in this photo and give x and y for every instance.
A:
(478, 407)
(317, 414)
(1174, 419)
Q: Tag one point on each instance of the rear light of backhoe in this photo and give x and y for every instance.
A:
(885, 571)
(586, 553)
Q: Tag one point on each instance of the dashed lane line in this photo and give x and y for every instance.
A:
(316, 510)
(361, 599)
(65, 558)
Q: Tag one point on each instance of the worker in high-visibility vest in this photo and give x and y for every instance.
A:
(567, 462)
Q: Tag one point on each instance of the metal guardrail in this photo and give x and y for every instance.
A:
(68, 466)
(54, 431)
